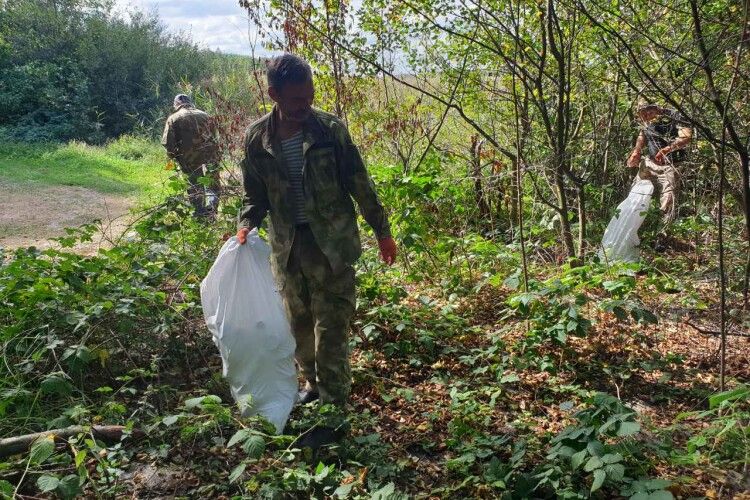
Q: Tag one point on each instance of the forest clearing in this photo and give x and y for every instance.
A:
(503, 355)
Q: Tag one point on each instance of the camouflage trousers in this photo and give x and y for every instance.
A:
(666, 180)
(320, 305)
(205, 200)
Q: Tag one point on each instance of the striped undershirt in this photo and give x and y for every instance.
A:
(292, 151)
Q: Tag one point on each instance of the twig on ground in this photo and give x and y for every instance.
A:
(706, 331)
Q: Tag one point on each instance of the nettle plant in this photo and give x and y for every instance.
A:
(555, 308)
(554, 311)
(724, 438)
(598, 452)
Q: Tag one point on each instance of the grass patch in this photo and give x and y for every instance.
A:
(128, 166)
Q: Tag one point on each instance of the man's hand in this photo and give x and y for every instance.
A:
(388, 250)
(661, 156)
(634, 160)
(242, 235)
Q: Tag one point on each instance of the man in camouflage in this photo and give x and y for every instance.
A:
(302, 167)
(189, 138)
(666, 133)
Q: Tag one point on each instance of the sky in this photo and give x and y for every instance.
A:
(214, 24)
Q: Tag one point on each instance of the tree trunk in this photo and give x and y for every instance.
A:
(745, 165)
(476, 172)
(562, 199)
(514, 200)
(581, 221)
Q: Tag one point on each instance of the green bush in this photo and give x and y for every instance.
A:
(74, 70)
(69, 316)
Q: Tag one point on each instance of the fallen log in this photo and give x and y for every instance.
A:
(107, 433)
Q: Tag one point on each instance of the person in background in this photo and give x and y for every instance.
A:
(190, 139)
(302, 168)
(666, 134)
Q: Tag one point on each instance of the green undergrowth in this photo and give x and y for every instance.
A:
(468, 384)
(128, 166)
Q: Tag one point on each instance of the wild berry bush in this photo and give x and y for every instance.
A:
(72, 320)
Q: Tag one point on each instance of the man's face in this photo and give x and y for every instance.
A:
(295, 100)
(648, 114)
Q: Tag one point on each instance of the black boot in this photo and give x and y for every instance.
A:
(661, 243)
(320, 436)
(308, 395)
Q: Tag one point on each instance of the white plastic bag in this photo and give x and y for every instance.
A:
(244, 312)
(620, 241)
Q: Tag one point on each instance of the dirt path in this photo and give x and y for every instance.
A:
(31, 214)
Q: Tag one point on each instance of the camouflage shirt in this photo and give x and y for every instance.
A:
(189, 138)
(332, 174)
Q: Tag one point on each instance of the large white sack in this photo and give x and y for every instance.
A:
(244, 312)
(620, 241)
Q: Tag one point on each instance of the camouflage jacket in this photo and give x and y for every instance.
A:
(189, 138)
(333, 173)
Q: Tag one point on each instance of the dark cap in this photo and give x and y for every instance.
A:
(181, 99)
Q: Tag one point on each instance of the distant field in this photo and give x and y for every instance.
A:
(45, 188)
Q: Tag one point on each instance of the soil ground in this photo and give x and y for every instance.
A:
(31, 214)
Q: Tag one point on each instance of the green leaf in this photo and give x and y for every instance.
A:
(739, 393)
(83, 353)
(368, 439)
(237, 472)
(321, 472)
(609, 423)
(595, 447)
(6, 489)
(47, 483)
(628, 428)
(384, 493)
(565, 451)
(660, 495)
(612, 458)
(238, 436)
(254, 446)
(616, 472)
(510, 377)
(577, 459)
(69, 486)
(620, 313)
(657, 484)
(80, 457)
(42, 449)
(729, 425)
(170, 420)
(648, 317)
(344, 490)
(593, 463)
(56, 384)
(599, 476)
(199, 401)
(513, 281)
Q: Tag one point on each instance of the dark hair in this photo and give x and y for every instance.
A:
(648, 107)
(181, 99)
(287, 68)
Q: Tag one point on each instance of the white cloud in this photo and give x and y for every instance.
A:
(214, 24)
